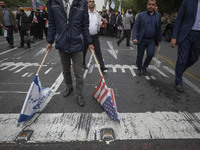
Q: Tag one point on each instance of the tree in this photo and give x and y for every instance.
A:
(14, 3)
(140, 5)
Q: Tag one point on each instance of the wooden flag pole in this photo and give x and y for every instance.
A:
(97, 63)
(42, 62)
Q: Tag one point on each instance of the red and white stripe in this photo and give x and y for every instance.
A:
(102, 92)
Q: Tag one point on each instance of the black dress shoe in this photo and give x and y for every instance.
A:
(179, 88)
(67, 91)
(85, 67)
(138, 72)
(80, 101)
(144, 72)
(11, 46)
(103, 69)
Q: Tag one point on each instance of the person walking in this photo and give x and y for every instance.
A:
(186, 32)
(7, 20)
(94, 27)
(24, 27)
(129, 20)
(118, 24)
(69, 21)
(147, 35)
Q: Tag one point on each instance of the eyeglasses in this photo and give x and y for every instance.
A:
(91, 1)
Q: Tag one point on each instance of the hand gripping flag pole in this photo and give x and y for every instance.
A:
(105, 96)
(35, 97)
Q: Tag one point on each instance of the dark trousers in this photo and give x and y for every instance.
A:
(127, 35)
(22, 34)
(9, 37)
(111, 30)
(97, 50)
(77, 59)
(36, 31)
(118, 33)
(149, 46)
(45, 31)
(32, 29)
(188, 54)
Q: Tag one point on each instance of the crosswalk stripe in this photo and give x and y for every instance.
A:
(66, 127)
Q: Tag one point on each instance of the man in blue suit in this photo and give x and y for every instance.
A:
(186, 32)
(147, 35)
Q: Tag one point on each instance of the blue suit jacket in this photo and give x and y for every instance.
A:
(185, 19)
(140, 26)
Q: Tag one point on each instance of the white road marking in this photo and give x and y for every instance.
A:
(42, 51)
(16, 65)
(66, 127)
(8, 65)
(24, 75)
(147, 77)
(30, 75)
(13, 92)
(158, 70)
(46, 72)
(154, 78)
(132, 68)
(112, 51)
(158, 63)
(3, 60)
(10, 50)
(196, 88)
(88, 65)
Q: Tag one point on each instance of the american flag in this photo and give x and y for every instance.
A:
(106, 99)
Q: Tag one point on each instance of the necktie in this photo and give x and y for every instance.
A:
(67, 8)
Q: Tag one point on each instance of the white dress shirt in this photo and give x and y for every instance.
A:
(93, 26)
(95, 22)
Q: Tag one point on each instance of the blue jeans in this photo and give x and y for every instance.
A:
(149, 46)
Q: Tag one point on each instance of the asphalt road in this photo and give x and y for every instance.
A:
(153, 114)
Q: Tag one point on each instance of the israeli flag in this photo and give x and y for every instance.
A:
(35, 99)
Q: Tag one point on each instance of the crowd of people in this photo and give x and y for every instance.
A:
(32, 26)
(77, 27)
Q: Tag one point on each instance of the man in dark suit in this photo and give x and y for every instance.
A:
(118, 24)
(186, 32)
(7, 20)
(147, 35)
(24, 27)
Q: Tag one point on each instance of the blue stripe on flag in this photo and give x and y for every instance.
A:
(23, 117)
(35, 80)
